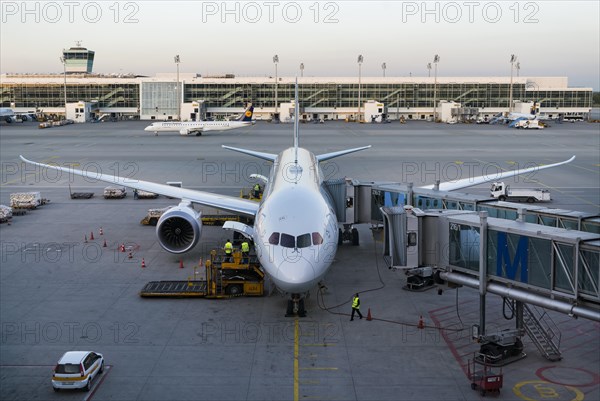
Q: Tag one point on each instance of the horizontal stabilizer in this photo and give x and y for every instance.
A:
(261, 155)
(331, 155)
(469, 182)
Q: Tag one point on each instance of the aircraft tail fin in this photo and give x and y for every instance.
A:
(247, 116)
(296, 123)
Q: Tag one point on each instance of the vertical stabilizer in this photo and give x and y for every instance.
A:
(296, 123)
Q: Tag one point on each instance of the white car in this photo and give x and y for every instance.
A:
(77, 369)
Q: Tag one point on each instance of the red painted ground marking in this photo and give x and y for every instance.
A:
(595, 377)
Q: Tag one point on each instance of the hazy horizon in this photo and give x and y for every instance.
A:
(549, 38)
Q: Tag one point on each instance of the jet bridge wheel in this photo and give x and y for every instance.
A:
(502, 198)
(354, 237)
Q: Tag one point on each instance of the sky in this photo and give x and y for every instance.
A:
(472, 38)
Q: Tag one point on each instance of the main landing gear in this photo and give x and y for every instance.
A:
(349, 234)
(295, 306)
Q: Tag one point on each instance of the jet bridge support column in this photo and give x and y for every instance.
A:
(482, 269)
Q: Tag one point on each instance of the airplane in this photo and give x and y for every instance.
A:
(8, 115)
(513, 118)
(198, 127)
(295, 230)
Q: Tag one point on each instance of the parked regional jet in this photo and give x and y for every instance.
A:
(198, 127)
(295, 229)
(8, 115)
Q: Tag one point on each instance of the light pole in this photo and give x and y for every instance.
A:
(177, 61)
(429, 68)
(518, 67)
(275, 61)
(436, 60)
(301, 69)
(360, 61)
(513, 60)
(383, 67)
(64, 63)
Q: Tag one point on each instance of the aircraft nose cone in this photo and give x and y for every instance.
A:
(295, 275)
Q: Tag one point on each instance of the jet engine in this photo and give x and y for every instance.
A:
(179, 228)
(184, 131)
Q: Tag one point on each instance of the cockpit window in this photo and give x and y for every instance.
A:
(288, 241)
(274, 239)
(303, 241)
(317, 239)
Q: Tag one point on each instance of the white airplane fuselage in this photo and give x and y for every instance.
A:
(295, 229)
(191, 127)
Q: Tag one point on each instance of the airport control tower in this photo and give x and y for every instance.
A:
(78, 59)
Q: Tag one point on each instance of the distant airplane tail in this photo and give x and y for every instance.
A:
(247, 116)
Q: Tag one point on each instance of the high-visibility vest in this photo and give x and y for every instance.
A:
(257, 187)
(228, 247)
(245, 247)
(355, 303)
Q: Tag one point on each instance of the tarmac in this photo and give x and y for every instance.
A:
(60, 293)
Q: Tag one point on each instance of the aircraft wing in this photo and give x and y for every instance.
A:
(469, 182)
(222, 202)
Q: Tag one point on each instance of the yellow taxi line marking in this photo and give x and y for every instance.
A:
(310, 382)
(319, 345)
(296, 370)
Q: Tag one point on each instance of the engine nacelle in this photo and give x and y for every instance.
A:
(184, 131)
(179, 229)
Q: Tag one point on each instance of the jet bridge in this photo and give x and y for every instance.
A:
(527, 264)
(552, 267)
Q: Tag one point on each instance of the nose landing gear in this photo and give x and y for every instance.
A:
(295, 306)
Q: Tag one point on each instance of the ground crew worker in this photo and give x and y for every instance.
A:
(356, 307)
(228, 248)
(245, 251)
(257, 190)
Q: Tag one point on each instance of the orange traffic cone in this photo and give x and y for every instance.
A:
(130, 256)
(101, 231)
(369, 318)
(91, 236)
(181, 263)
(421, 324)
(143, 263)
(122, 249)
(104, 245)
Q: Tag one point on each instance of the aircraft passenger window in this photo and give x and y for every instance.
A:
(288, 241)
(303, 241)
(317, 239)
(274, 239)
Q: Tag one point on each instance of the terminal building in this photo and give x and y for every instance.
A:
(172, 96)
